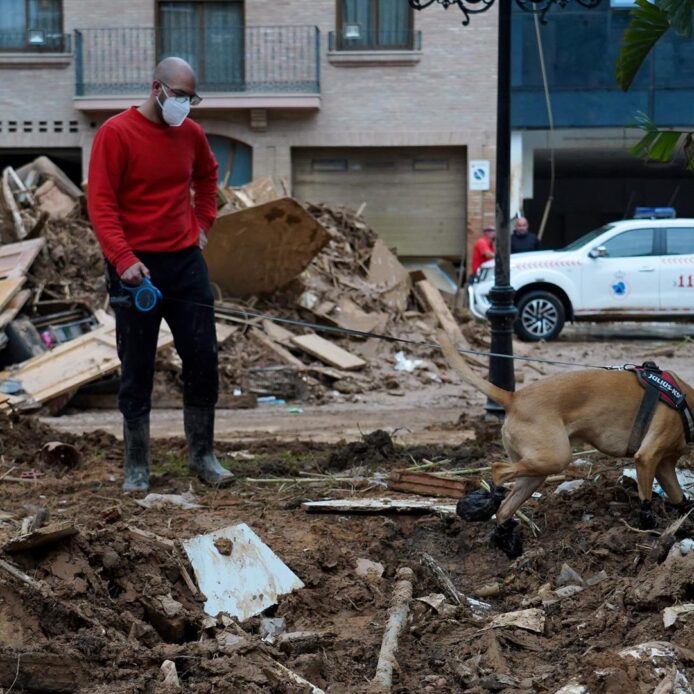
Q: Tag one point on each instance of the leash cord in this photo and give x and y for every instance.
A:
(244, 313)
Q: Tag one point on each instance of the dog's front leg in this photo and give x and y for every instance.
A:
(505, 535)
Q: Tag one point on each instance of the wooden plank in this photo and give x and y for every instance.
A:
(10, 205)
(433, 301)
(262, 249)
(427, 484)
(68, 366)
(430, 298)
(224, 331)
(9, 288)
(379, 506)
(41, 537)
(277, 332)
(328, 352)
(280, 351)
(17, 258)
(13, 307)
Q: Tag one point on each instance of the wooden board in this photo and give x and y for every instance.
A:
(224, 331)
(379, 506)
(68, 366)
(13, 307)
(262, 249)
(386, 271)
(427, 484)
(9, 288)
(17, 258)
(41, 537)
(284, 354)
(431, 297)
(277, 332)
(328, 352)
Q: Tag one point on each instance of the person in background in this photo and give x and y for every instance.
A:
(523, 240)
(483, 249)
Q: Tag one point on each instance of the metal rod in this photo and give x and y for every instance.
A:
(502, 312)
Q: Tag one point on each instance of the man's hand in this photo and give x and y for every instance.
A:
(135, 273)
(202, 240)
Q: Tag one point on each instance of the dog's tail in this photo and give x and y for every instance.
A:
(456, 361)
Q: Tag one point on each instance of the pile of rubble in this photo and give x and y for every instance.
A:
(256, 589)
(285, 294)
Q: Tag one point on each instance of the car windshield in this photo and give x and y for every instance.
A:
(586, 238)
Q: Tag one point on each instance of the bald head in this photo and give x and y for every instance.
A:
(521, 226)
(172, 70)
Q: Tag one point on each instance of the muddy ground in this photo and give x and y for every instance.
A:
(103, 609)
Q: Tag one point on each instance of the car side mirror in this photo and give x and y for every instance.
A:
(599, 252)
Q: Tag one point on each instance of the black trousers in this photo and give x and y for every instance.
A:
(182, 278)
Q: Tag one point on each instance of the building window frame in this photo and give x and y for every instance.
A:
(372, 42)
(199, 27)
(38, 40)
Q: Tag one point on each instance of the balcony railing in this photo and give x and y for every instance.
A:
(263, 59)
(376, 41)
(34, 41)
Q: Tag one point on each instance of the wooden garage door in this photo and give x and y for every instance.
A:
(415, 197)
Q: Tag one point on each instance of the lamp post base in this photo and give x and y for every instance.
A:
(501, 315)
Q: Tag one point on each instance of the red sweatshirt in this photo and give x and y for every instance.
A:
(140, 175)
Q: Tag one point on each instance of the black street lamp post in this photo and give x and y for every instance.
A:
(502, 312)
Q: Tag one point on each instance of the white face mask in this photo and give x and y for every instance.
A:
(174, 109)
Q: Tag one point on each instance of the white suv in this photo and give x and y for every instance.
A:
(629, 270)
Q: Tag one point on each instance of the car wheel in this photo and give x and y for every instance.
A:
(541, 316)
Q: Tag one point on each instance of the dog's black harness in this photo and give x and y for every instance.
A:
(658, 385)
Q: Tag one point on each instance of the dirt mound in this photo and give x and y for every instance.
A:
(104, 609)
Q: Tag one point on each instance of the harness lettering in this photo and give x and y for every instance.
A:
(659, 385)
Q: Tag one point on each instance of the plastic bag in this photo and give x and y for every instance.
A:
(480, 505)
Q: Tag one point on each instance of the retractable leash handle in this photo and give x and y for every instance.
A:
(144, 296)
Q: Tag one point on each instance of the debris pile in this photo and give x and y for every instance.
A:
(104, 593)
(301, 264)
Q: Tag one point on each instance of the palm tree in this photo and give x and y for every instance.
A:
(649, 22)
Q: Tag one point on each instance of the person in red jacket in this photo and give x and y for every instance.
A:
(483, 249)
(143, 165)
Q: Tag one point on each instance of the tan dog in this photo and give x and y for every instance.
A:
(598, 408)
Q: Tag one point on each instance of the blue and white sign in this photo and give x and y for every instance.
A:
(478, 174)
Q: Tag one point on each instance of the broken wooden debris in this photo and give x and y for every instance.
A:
(261, 249)
(284, 354)
(283, 381)
(68, 366)
(327, 352)
(532, 619)
(299, 642)
(244, 582)
(386, 271)
(380, 506)
(382, 681)
(442, 578)
(47, 535)
(428, 484)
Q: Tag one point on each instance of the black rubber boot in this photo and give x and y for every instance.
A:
(198, 423)
(136, 454)
(507, 539)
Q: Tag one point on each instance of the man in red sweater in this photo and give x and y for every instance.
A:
(143, 164)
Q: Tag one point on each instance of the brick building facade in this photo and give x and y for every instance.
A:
(348, 101)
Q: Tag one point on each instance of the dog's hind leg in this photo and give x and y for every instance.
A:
(521, 491)
(505, 536)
